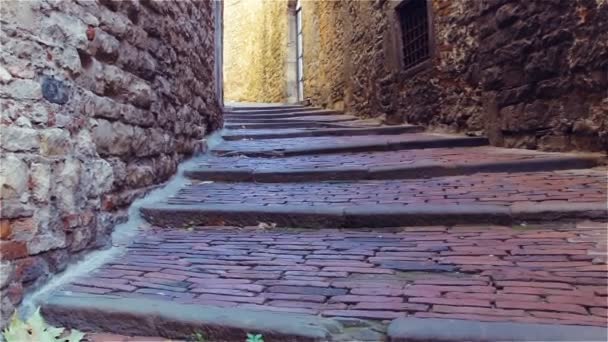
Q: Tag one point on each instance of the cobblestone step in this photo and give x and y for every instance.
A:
(324, 145)
(314, 119)
(241, 134)
(281, 170)
(338, 285)
(270, 110)
(275, 125)
(188, 213)
(289, 115)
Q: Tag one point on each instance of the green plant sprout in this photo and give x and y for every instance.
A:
(36, 329)
(254, 338)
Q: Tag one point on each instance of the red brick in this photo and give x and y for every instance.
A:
(254, 275)
(473, 317)
(363, 314)
(476, 310)
(392, 306)
(5, 229)
(603, 312)
(451, 301)
(492, 296)
(112, 285)
(308, 305)
(278, 309)
(568, 316)
(540, 291)
(547, 285)
(394, 284)
(296, 297)
(237, 299)
(161, 275)
(450, 282)
(559, 307)
(358, 270)
(293, 283)
(229, 292)
(357, 299)
(11, 250)
(158, 286)
(337, 263)
(587, 300)
(474, 260)
(437, 288)
(377, 291)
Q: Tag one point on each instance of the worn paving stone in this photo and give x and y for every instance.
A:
(517, 293)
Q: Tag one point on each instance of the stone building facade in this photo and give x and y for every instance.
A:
(100, 102)
(531, 74)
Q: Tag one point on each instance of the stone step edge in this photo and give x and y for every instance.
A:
(410, 329)
(148, 317)
(390, 172)
(368, 216)
(290, 115)
(358, 131)
(362, 147)
(286, 121)
(254, 126)
(271, 110)
(269, 106)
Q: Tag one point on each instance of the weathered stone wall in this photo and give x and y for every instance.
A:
(255, 50)
(530, 74)
(100, 101)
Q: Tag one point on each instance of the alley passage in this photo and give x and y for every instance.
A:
(308, 211)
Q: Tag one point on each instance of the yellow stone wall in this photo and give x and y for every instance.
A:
(255, 48)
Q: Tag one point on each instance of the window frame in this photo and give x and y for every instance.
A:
(396, 6)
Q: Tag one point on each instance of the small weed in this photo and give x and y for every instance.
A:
(265, 225)
(254, 338)
(198, 337)
(36, 329)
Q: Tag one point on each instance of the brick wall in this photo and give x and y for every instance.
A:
(255, 50)
(530, 74)
(100, 102)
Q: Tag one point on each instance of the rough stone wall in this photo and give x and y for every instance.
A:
(100, 101)
(325, 60)
(255, 49)
(530, 74)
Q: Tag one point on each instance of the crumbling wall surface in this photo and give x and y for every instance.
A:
(100, 101)
(530, 74)
(255, 49)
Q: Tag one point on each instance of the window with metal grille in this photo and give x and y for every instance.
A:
(414, 20)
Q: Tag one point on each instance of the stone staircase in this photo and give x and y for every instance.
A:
(276, 165)
(408, 232)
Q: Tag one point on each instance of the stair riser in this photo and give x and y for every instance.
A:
(396, 146)
(229, 175)
(279, 116)
(368, 217)
(341, 132)
(270, 111)
(254, 126)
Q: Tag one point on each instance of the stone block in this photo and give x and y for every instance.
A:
(13, 177)
(55, 142)
(22, 89)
